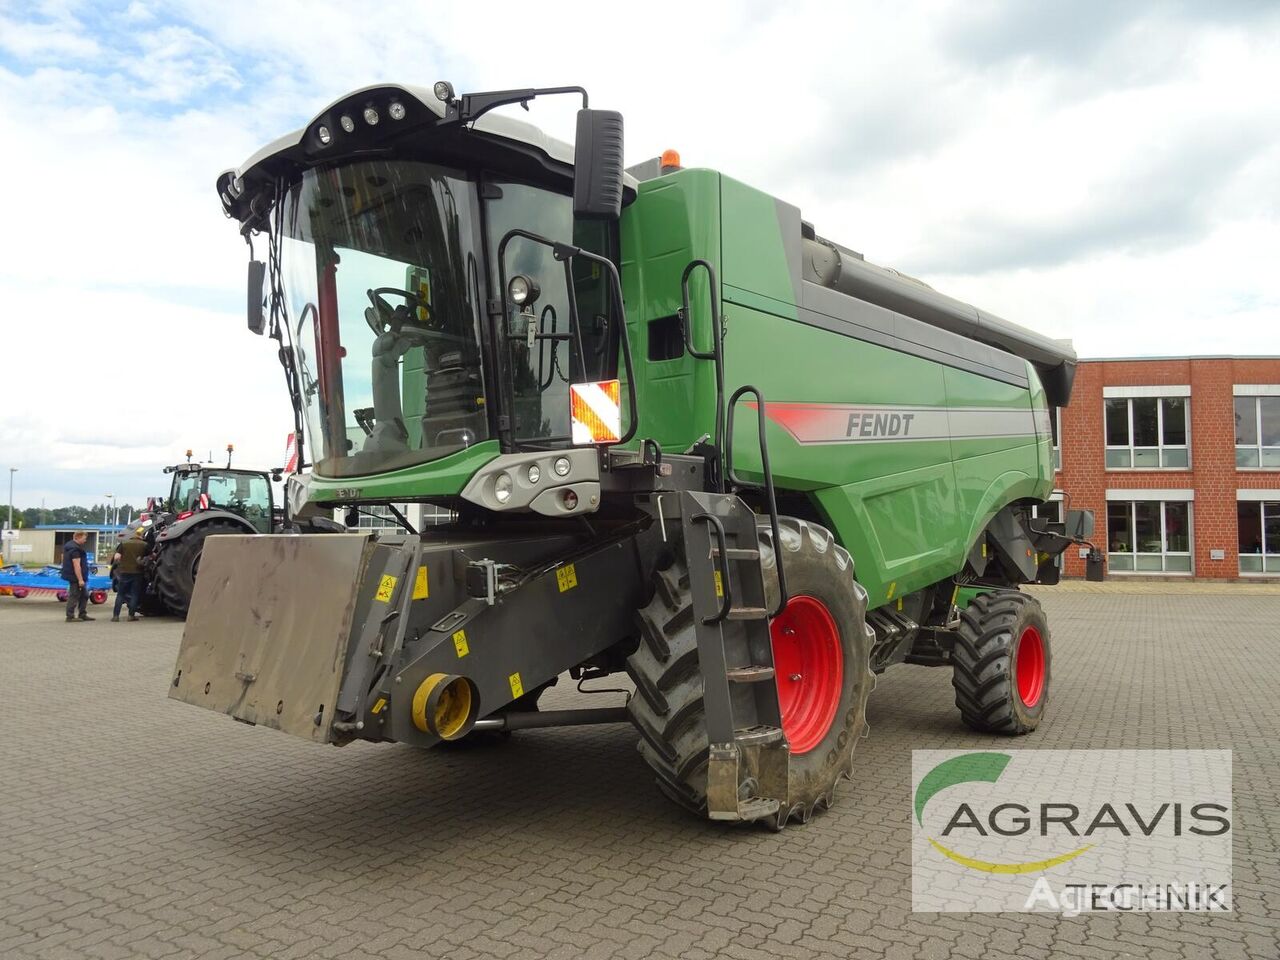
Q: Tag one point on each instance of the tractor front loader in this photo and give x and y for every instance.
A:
(682, 437)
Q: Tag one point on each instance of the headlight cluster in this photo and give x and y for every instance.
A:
(531, 475)
(371, 114)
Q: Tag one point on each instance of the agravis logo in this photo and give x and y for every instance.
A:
(1038, 829)
(972, 768)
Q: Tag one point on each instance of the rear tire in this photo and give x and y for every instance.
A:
(668, 708)
(1001, 663)
(179, 562)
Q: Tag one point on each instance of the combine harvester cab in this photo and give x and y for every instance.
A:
(681, 435)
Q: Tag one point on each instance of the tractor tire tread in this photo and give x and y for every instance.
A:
(981, 662)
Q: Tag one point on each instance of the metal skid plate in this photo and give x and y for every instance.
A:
(267, 633)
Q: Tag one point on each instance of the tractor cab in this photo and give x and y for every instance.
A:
(197, 488)
(439, 278)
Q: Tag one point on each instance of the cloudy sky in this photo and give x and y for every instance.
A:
(1108, 172)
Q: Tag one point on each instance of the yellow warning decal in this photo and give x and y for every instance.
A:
(420, 584)
(517, 688)
(984, 548)
(899, 603)
(386, 587)
(566, 578)
(719, 584)
(378, 707)
(954, 594)
(892, 587)
(460, 643)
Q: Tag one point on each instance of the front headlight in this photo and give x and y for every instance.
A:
(502, 488)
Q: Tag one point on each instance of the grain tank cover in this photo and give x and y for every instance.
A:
(841, 269)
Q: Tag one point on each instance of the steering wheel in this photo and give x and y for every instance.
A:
(384, 317)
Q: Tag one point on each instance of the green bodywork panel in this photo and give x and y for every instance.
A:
(437, 479)
(908, 509)
(674, 220)
(908, 512)
(963, 596)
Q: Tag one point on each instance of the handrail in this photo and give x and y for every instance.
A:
(768, 480)
(726, 587)
(716, 354)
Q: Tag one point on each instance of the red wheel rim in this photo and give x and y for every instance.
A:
(1030, 666)
(808, 665)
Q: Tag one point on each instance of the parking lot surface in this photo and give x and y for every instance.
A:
(134, 826)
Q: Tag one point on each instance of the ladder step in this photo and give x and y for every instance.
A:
(747, 613)
(751, 674)
(757, 807)
(737, 553)
(751, 736)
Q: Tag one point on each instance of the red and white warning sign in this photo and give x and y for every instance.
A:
(290, 454)
(595, 411)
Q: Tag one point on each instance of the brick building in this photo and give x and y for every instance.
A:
(1179, 459)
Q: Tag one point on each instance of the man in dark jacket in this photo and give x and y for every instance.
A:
(75, 570)
(129, 573)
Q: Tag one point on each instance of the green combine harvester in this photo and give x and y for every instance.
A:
(683, 436)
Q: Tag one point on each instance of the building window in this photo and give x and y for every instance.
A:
(1147, 433)
(376, 516)
(1257, 432)
(1055, 424)
(1258, 526)
(1050, 510)
(1149, 536)
(433, 515)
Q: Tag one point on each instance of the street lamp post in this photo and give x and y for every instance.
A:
(112, 498)
(8, 550)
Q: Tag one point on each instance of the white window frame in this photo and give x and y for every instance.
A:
(1057, 439)
(1159, 394)
(1130, 498)
(420, 515)
(1267, 502)
(433, 515)
(1255, 392)
(376, 516)
(1057, 497)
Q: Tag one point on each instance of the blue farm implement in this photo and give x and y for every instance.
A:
(18, 583)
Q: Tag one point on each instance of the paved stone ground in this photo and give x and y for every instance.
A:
(133, 826)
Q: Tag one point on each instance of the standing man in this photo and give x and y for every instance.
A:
(75, 570)
(129, 574)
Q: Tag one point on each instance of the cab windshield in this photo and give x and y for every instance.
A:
(382, 287)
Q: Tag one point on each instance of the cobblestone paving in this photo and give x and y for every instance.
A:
(133, 826)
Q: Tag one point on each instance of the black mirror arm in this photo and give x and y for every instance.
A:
(472, 106)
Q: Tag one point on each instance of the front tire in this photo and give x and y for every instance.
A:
(1001, 663)
(822, 672)
(179, 562)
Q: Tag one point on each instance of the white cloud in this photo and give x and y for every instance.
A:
(1111, 178)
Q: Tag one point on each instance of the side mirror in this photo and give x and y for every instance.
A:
(1079, 524)
(257, 275)
(597, 165)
